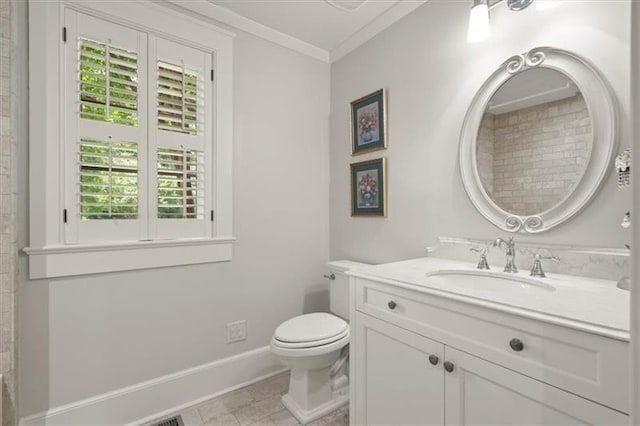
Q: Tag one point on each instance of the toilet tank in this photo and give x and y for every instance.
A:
(339, 287)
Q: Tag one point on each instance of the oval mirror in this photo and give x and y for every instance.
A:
(537, 140)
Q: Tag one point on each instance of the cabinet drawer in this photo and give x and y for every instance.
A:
(589, 365)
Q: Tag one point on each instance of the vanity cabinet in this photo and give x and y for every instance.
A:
(419, 358)
(480, 392)
(395, 381)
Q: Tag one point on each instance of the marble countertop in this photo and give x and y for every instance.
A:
(587, 304)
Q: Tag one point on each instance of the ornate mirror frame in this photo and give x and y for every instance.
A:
(604, 120)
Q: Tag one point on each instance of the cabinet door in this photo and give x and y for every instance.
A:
(480, 392)
(395, 381)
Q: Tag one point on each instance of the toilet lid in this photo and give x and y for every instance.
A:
(311, 328)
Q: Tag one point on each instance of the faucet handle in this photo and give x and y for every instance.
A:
(482, 263)
(554, 258)
(536, 269)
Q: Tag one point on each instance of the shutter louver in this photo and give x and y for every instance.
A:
(180, 184)
(108, 179)
(179, 98)
(108, 83)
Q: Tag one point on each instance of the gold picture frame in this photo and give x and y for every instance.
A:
(369, 188)
(369, 123)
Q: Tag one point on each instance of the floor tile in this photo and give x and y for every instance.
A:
(339, 417)
(258, 404)
(225, 404)
(281, 418)
(258, 410)
(223, 420)
(278, 385)
(191, 417)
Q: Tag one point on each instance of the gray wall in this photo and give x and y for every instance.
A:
(431, 74)
(84, 336)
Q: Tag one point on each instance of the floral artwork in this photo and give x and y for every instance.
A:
(368, 188)
(368, 123)
(368, 129)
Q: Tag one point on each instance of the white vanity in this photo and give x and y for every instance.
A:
(450, 347)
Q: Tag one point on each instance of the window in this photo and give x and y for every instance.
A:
(108, 83)
(107, 180)
(134, 134)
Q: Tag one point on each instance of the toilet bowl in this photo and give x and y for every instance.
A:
(315, 347)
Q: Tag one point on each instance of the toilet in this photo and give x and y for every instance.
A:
(315, 347)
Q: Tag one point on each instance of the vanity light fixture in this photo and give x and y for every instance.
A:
(479, 27)
(546, 4)
(518, 5)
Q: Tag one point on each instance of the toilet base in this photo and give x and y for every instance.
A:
(340, 398)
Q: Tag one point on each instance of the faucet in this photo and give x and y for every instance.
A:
(482, 263)
(510, 251)
(536, 269)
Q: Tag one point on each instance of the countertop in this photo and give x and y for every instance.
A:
(587, 304)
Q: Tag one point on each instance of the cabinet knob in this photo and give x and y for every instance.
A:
(392, 305)
(516, 345)
(448, 366)
(433, 359)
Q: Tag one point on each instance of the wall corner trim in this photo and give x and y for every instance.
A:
(373, 28)
(143, 402)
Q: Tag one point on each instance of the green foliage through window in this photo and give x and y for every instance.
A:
(177, 99)
(108, 83)
(108, 184)
(180, 184)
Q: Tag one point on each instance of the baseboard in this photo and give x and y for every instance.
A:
(142, 402)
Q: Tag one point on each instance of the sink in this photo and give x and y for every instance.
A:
(487, 280)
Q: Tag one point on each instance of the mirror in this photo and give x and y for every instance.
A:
(534, 141)
(538, 140)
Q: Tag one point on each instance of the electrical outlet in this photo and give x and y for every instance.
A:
(236, 331)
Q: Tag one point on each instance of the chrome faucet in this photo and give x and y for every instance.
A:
(482, 263)
(510, 251)
(536, 269)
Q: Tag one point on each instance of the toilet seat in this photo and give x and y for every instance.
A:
(311, 343)
(310, 335)
(309, 351)
(311, 330)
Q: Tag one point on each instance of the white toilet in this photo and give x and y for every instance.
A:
(315, 347)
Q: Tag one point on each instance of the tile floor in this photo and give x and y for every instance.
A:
(255, 405)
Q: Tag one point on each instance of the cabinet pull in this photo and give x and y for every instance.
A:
(448, 366)
(392, 305)
(433, 359)
(516, 345)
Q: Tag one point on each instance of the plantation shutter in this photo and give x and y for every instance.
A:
(105, 134)
(180, 140)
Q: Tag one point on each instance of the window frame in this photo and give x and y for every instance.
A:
(49, 254)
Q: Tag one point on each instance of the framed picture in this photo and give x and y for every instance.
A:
(368, 123)
(368, 188)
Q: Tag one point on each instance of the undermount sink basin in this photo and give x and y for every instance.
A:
(486, 279)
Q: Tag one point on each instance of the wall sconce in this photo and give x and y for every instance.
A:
(479, 26)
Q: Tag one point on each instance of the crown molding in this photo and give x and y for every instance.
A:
(204, 9)
(207, 10)
(373, 28)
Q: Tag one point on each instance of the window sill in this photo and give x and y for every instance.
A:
(82, 259)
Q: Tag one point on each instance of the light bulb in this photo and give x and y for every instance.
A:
(546, 4)
(479, 27)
